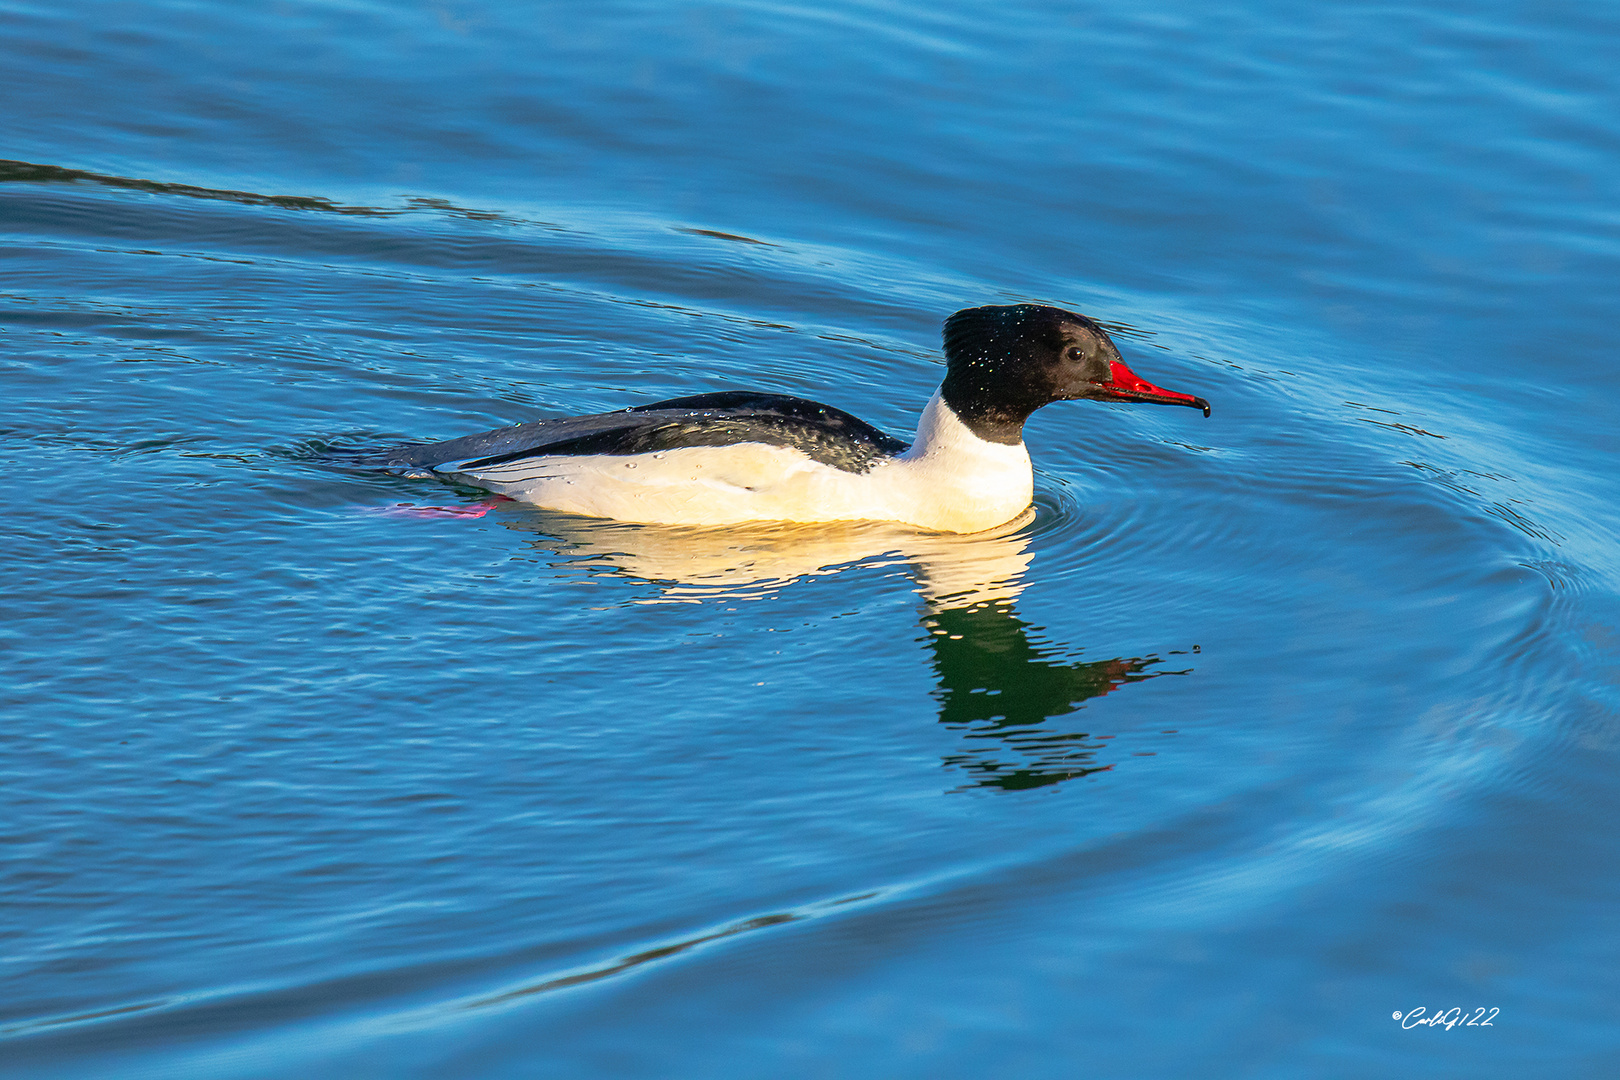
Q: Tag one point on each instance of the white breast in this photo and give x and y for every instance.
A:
(950, 481)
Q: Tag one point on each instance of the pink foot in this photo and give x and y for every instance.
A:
(411, 510)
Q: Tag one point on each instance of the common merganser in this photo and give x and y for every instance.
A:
(738, 456)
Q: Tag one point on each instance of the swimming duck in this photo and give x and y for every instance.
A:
(735, 456)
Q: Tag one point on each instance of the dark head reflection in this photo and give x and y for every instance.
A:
(1000, 689)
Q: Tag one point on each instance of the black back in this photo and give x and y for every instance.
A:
(828, 435)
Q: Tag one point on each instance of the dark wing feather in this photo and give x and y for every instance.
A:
(830, 436)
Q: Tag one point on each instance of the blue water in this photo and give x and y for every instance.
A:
(1266, 728)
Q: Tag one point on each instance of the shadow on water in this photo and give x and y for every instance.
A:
(27, 172)
(998, 685)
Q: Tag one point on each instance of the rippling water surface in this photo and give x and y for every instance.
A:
(1263, 729)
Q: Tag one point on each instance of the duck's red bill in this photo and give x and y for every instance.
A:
(1129, 386)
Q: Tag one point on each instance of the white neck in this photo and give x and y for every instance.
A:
(940, 430)
(968, 483)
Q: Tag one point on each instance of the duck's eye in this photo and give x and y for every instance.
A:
(1076, 355)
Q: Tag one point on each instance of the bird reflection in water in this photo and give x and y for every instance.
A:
(999, 689)
(999, 686)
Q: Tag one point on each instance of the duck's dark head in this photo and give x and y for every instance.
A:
(1003, 363)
